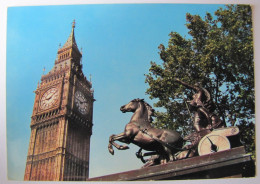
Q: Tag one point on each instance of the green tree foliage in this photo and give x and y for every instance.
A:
(219, 54)
(247, 131)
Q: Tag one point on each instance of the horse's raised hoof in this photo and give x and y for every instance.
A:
(123, 147)
(110, 149)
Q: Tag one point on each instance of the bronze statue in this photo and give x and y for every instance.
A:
(163, 143)
(167, 145)
(203, 107)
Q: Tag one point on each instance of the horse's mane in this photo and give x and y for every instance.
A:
(149, 108)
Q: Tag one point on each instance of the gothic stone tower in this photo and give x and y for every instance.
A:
(61, 122)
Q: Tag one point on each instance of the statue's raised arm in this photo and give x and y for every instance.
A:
(202, 106)
(194, 87)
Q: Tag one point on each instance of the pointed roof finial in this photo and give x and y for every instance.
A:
(73, 24)
(43, 70)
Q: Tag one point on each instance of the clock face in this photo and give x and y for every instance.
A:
(49, 98)
(81, 103)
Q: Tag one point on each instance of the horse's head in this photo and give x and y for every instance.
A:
(145, 109)
(131, 106)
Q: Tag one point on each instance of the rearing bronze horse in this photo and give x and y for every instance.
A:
(140, 132)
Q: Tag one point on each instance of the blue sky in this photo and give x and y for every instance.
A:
(118, 43)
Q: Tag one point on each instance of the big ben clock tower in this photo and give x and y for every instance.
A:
(61, 122)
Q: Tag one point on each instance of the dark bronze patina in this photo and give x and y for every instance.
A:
(167, 145)
(205, 120)
(163, 143)
(203, 108)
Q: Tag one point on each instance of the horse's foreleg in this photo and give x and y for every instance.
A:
(110, 146)
(120, 137)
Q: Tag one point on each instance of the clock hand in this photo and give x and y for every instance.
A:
(50, 96)
(78, 99)
(81, 101)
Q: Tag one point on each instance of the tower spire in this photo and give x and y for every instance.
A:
(70, 49)
(71, 42)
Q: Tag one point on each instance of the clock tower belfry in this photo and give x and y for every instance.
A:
(61, 122)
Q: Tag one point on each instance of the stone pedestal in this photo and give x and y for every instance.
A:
(226, 164)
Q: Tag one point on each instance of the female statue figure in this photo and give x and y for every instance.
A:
(203, 107)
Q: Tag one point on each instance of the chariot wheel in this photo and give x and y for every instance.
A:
(213, 143)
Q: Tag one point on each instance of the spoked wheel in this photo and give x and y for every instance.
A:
(213, 143)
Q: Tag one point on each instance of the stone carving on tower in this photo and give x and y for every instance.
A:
(61, 122)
